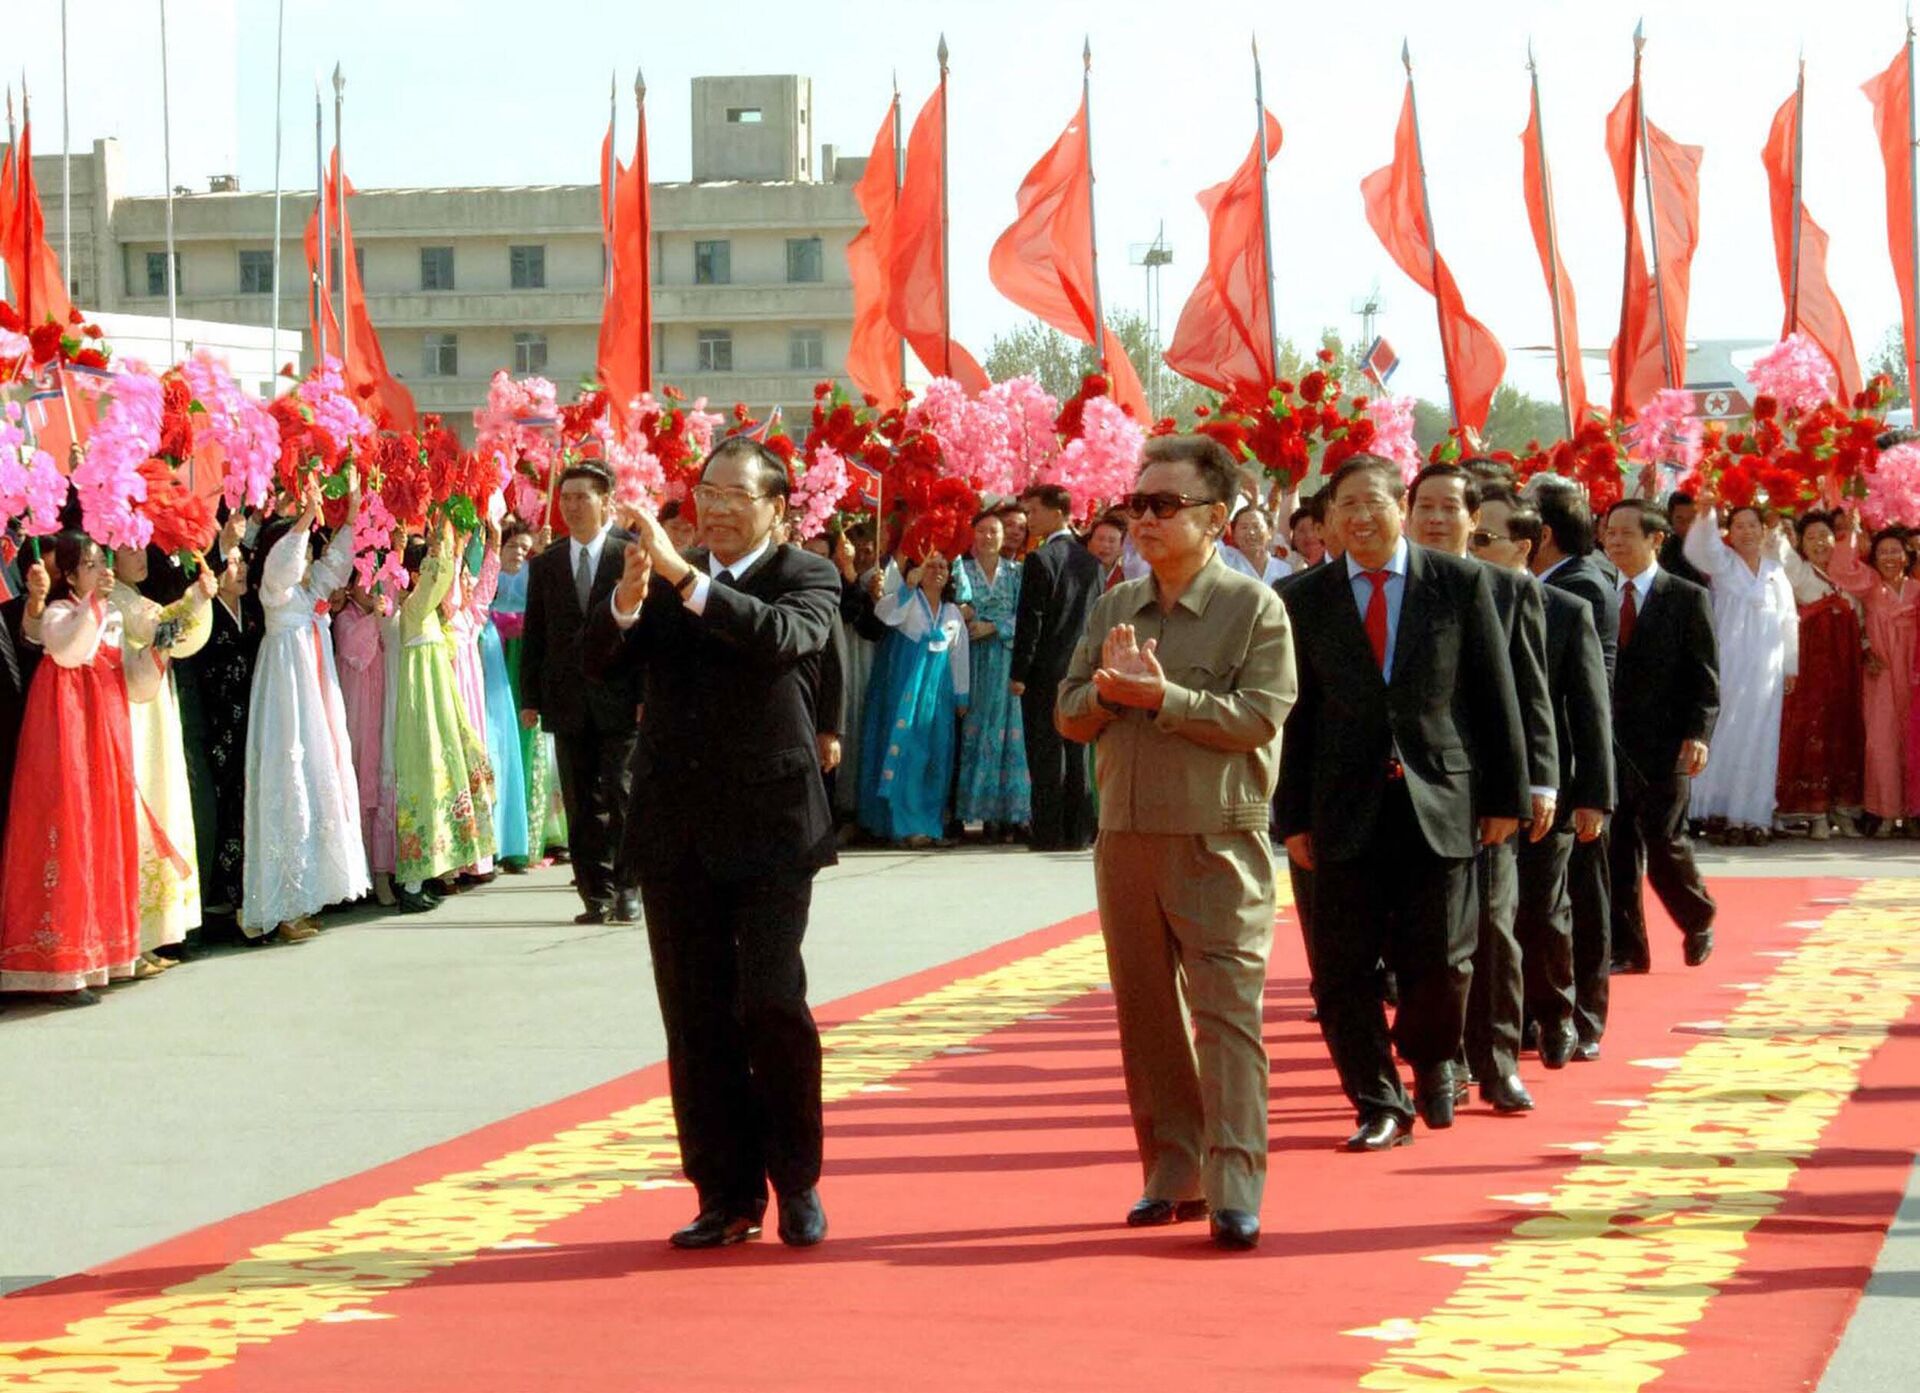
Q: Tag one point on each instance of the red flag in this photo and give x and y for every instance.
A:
(364, 370)
(1640, 367)
(916, 255)
(1044, 262)
(1396, 209)
(1224, 339)
(1819, 315)
(1892, 100)
(625, 354)
(873, 354)
(1537, 181)
(39, 288)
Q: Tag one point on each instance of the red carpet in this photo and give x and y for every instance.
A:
(975, 1203)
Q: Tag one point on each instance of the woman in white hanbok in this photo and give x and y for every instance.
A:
(304, 848)
(1757, 626)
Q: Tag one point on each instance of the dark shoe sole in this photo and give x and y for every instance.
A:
(725, 1241)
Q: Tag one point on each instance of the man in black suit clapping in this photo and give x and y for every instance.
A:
(1666, 698)
(1401, 757)
(591, 722)
(1059, 582)
(728, 826)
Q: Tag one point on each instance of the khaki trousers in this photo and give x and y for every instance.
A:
(1188, 920)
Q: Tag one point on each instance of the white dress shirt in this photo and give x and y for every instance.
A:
(696, 600)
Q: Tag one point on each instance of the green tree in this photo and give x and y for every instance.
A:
(1517, 418)
(1060, 364)
(1891, 358)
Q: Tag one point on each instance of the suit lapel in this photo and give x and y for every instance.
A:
(1414, 605)
(1656, 595)
(1349, 633)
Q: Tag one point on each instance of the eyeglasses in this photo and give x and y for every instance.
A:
(1161, 505)
(1483, 538)
(711, 496)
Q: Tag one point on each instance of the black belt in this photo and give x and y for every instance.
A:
(1396, 771)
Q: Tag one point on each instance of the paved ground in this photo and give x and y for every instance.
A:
(254, 1075)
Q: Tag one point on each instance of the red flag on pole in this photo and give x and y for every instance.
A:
(1223, 339)
(1559, 284)
(1812, 307)
(916, 255)
(365, 373)
(1044, 261)
(1892, 98)
(39, 288)
(873, 354)
(1396, 209)
(1640, 366)
(626, 320)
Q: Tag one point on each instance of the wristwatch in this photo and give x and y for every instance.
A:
(686, 583)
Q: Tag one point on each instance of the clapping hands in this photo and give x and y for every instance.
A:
(1129, 673)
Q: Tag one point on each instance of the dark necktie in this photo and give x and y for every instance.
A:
(1377, 616)
(583, 579)
(1629, 611)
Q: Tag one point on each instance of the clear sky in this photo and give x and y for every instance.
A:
(502, 91)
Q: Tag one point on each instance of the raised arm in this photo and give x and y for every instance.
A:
(1703, 547)
(70, 631)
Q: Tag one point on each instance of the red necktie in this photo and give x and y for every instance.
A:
(1377, 616)
(1629, 611)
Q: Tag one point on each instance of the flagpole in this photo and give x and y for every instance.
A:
(1093, 233)
(946, 291)
(166, 163)
(1799, 207)
(66, 158)
(899, 178)
(1266, 216)
(609, 169)
(13, 150)
(322, 302)
(1653, 211)
(1913, 206)
(1433, 242)
(1561, 361)
(340, 207)
(21, 174)
(643, 201)
(279, 64)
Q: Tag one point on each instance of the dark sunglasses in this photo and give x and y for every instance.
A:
(1161, 505)
(1483, 538)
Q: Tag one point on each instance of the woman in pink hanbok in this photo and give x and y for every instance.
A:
(358, 650)
(1891, 600)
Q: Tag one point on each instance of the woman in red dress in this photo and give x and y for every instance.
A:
(1822, 739)
(70, 873)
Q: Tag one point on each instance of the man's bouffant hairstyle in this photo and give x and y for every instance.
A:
(1219, 477)
(1052, 496)
(1388, 471)
(593, 472)
(1653, 518)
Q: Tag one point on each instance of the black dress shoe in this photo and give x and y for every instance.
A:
(1433, 1094)
(1381, 1132)
(1506, 1093)
(591, 916)
(626, 909)
(1586, 1051)
(803, 1222)
(715, 1228)
(1628, 967)
(1235, 1229)
(1150, 1213)
(412, 902)
(1699, 946)
(1557, 1043)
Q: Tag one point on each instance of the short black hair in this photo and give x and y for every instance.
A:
(1050, 495)
(773, 469)
(1761, 512)
(1885, 534)
(1564, 508)
(1488, 471)
(1469, 485)
(1677, 497)
(1808, 519)
(1653, 518)
(1523, 519)
(592, 471)
(1367, 464)
(1219, 475)
(1304, 513)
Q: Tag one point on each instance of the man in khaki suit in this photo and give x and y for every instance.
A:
(1182, 683)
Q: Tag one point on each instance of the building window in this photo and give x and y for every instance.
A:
(527, 267)
(712, 263)
(803, 259)
(157, 272)
(436, 268)
(743, 116)
(805, 351)
(529, 353)
(359, 265)
(441, 357)
(716, 350)
(256, 273)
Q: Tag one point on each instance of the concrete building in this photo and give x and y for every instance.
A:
(751, 296)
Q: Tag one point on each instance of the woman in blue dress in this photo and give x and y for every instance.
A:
(910, 725)
(995, 789)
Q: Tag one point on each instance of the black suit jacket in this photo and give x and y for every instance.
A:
(1666, 689)
(1450, 714)
(552, 676)
(1582, 716)
(726, 769)
(1523, 617)
(1586, 577)
(1058, 585)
